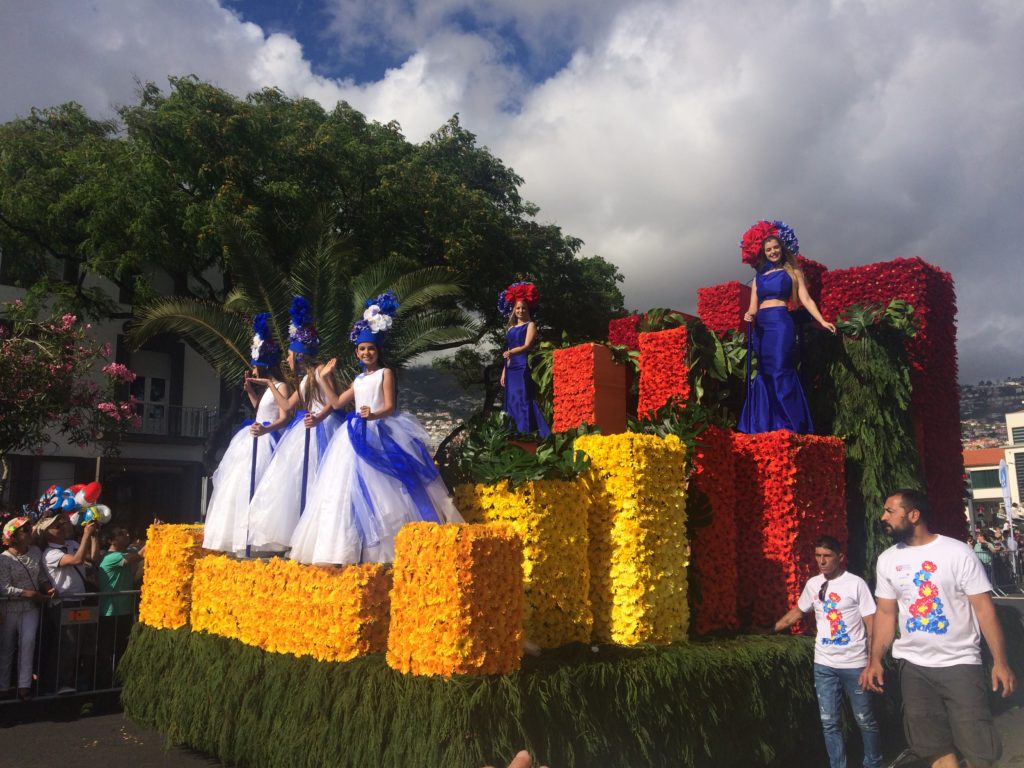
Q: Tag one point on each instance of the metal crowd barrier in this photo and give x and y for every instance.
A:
(1005, 573)
(77, 648)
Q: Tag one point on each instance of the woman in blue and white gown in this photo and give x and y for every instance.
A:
(280, 498)
(376, 476)
(227, 516)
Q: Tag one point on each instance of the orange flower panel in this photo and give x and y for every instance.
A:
(589, 387)
(171, 555)
(664, 374)
(457, 601)
(330, 614)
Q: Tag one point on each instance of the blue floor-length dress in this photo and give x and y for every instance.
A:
(520, 402)
(775, 397)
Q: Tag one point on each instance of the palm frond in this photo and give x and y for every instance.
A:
(222, 338)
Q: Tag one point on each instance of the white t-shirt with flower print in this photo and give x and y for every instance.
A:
(842, 642)
(931, 582)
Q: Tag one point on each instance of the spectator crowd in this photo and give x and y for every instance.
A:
(68, 599)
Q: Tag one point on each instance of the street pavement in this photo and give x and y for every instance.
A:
(103, 740)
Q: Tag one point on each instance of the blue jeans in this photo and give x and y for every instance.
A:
(829, 683)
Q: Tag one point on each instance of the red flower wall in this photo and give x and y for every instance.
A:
(790, 490)
(713, 547)
(721, 307)
(935, 399)
(664, 375)
(622, 331)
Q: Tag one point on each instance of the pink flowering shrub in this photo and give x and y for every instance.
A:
(56, 380)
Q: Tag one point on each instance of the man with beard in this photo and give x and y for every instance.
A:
(940, 591)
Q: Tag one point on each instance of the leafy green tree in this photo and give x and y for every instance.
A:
(152, 201)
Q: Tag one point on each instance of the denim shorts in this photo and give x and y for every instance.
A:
(946, 708)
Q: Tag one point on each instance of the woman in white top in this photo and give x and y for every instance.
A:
(377, 474)
(282, 493)
(249, 453)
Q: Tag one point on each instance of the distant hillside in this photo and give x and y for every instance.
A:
(436, 399)
(983, 407)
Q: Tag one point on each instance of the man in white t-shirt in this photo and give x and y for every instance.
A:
(843, 609)
(938, 588)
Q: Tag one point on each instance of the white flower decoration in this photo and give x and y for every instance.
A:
(256, 342)
(376, 319)
(292, 330)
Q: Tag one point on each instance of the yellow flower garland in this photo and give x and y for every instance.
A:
(550, 517)
(638, 547)
(331, 614)
(171, 552)
(457, 601)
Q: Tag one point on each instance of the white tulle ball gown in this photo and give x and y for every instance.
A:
(277, 506)
(376, 476)
(227, 515)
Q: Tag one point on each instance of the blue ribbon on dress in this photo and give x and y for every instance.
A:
(275, 436)
(389, 459)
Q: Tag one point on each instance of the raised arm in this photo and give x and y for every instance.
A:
(807, 301)
(988, 621)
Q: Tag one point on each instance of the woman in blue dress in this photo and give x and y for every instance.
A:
(775, 397)
(517, 302)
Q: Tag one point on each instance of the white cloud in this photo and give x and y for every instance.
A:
(876, 129)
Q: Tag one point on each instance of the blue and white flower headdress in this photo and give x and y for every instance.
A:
(265, 351)
(378, 318)
(302, 335)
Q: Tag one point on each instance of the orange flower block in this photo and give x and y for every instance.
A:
(550, 517)
(664, 373)
(171, 554)
(457, 601)
(331, 614)
(589, 387)
(638, 548)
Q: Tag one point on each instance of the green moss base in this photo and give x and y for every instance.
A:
(748, 701)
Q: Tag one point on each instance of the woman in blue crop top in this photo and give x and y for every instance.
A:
(775, 397)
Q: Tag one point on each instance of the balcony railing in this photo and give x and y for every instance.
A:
(175, 420)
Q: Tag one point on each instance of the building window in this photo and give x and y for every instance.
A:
(1018, 435)
(984, 478)
(1018, 460)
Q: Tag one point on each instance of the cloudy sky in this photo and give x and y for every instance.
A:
(655, 131)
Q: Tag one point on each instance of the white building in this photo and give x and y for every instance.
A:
(983, 467)
(159, 472)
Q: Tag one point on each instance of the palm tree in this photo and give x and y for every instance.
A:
(428, 318)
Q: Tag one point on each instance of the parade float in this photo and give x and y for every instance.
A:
(642, 565)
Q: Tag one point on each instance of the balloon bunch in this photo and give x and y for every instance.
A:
(77, 501)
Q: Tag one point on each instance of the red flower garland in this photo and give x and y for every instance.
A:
(664, 375)
(721, 307)
(791, 489)
(935, 398)
(622, 331)
(713, 547)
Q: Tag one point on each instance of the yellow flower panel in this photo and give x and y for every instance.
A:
(550, 518)
(331, 614)
(638, 548)
(171, 553)
(457, 600)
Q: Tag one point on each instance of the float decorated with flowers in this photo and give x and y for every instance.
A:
(636, 552)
